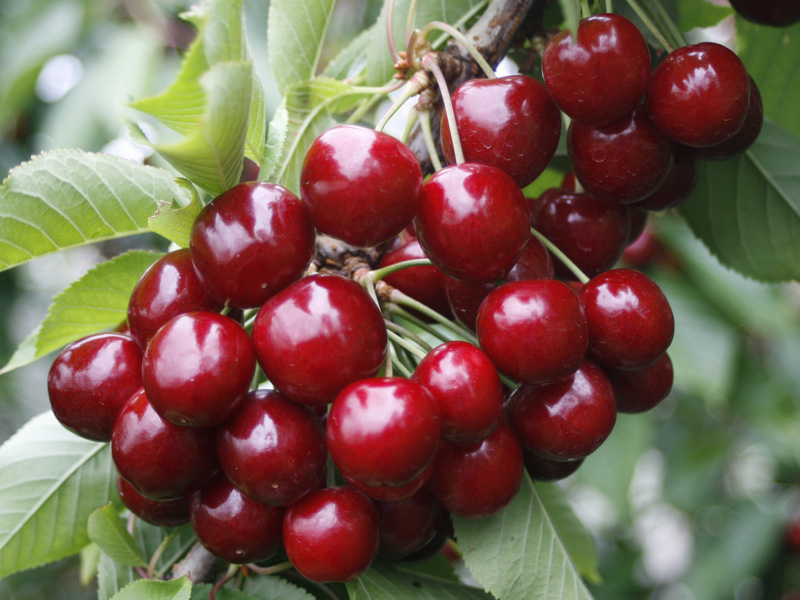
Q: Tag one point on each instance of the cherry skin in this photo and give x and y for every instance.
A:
(331, 534)
(251, 242)
(477, 480)
(465, 299)
(533, 331)
(543, 469)
(534, 262)
(519, 135)
(565, 420)
(360, 185)
(699, 95)
(467, 390)
(473, 222)
(630, 320)
(776, 13)
(167, 513)
(232, 526)
(395, 493)
(318, 335)
(408, 525)
(160, 460)
(643, 250)
(272, 449)
(197, 368)
(679, 184)
(91, 380)
(384, 431)
(642, 390)
(170, 287)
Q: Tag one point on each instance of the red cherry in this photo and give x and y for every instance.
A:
(533, 263)
(643, 250)
(642, 390)
(408, 525)
(395, 493)
(167, 513)
(677, 187)
(545, 469)
(776, 13)
(465, 299)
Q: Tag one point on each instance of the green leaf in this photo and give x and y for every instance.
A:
(112, 577)
(149, 537)
(151, 589)
(90, 559)
(295, 32)
(747, 209)
(50, 482)
(97, 301)
(68, 198)
(354, 54)
(175, 223)
(278, 130)
(107, 530)
(700, 13)
(519, 552)
(385, 581)
(274, 587)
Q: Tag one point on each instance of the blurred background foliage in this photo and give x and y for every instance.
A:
(694, 500)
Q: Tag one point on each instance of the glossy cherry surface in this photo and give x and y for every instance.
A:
(251, 242)
(776, 13)
(331, 534)
(232, 526)
(565, 420)
(544, 469)
(167, 513)
(465, 299)
(383, 431)
(272, 449)
(197, 368)
(643, 250)
(90, 381)
(534, 331)
(644, 389)
(393, 493)
(473, 221)
(518, 135)
(678, 185)
(603, 75)
(699, 94)
(623, 161)
(477, 480)
(408, 525)
(467, 390)
(160, 460)
(318, 335)
(426, 284)
(360, 185)
(534, 262)
(630, 320)
(170, 287)
(591, 233)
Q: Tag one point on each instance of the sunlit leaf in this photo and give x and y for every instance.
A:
(151, 589)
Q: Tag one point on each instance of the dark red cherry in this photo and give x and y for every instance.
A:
(160, 460)
(272, 449)
(534, 331)
(518, 135)
(394, 493)
(591, 233)
(643, 250)
(642, 390)
(630, 320)
(473, 221)
(167, 513)
(90, 381)
(318, 335)
(250, 170)
(565, 420)
(679, 184)
(251, 242)
(621, 162)
(534, 262)
(776, 13)
(232, 526)
(170, 287)
(467, 390)
(408, 525)
(465, 299)
(545, 469)
(638, 219)
(477, 480)
(197, 368)
(699, 95)
(360, 185)
(384, 431)
(331, 534)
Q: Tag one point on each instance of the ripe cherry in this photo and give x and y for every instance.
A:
(167, 513)
(641, 390)
(679, 183)
(394, 493)
(545, 469)
(408, 525)
(776, 13)
(465, 299)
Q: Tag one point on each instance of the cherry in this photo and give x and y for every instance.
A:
(545, 469)
(167, 513)
(638, 219)
(318, 335)
(519, 135)
(776, 13)
(603, 74)
(534, 262)
(564, 420)
(360, 185)
(384, 431)
(534, 331)
(477, 480)
(250, 242)
(679, 184)
(90, 381)
(699, 94)
(160, 460)
(331, 534)
(592, 234)
(170, 287)
(630, 320)
(234, 527)
(641, 390)
(473, 222)
(467, 390)
(643, 250)
(408, 525)
(465, 299)
(623, 161)
(394, 493)
(272, 449)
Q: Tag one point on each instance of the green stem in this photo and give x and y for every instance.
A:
(411, 318)
(399, 297)
(411, 89)
(444, 91)
(378, 274)
(404, 371)
(427, 135)
(413, 117)
(390, 31)
(151, 567)
(399, 329)
(609, 6)
(412, 11)
(270, 570)
(403, 343)
(507, 381)
(229, 574)
(462, 39)
(677, 36)
(580, 275)
(650, 25)
(586, 12)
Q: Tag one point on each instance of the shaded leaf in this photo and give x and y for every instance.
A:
(385, 581)
(149, 537)
(274, 587)
(90, 559)
(107, 530)
(151, 589)
(352, 57)
(112, 577)
(175, 223)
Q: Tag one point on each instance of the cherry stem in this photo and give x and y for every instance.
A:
(378, 274)
(390, 31)
(412, 12)
(412, 88)
(585, 10)
(398, 364)
(229, 574)
(270, 570)
(330, 472)
(663, 16)
(403, 343)
(151, 567)
(225, 310)
(387, 364)
(414, 320)
(609, 6)
(399, 329)
(433, 67)
(413, 117)
(399, 297)
(462, 39)
(580, 275)
(367, 283)
(650, 25)
(427, 135)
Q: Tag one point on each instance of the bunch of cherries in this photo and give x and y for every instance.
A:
(244, 394)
